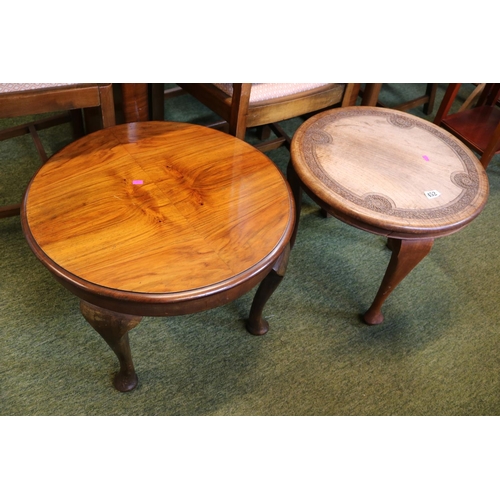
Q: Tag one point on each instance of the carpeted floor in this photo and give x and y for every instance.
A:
(437, 353)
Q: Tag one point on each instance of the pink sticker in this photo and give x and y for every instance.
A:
(138, 181)
(425, 157)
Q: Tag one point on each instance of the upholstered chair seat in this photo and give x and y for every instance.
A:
(267, 91)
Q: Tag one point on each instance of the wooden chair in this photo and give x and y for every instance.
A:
(245, 105)
(473, 97)
(66, 101)
(479, 126)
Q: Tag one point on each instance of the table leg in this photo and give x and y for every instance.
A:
(256, 324)
(113, 328)
(406, 254)
(296, 188)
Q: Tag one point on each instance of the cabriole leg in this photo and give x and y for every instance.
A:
(113, 328)
(406, 254)
(256, 324)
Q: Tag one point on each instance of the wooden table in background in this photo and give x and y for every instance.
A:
(392, 174)
(159, 219)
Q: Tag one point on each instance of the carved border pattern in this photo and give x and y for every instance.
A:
(468, 179)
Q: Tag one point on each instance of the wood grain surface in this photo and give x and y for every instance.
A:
(158, 208)
(389, 172)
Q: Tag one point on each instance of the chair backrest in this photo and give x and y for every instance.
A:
(479, 126)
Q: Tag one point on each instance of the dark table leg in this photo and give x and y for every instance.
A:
(406, 254)
(256, 324)
(296, 188)
(113, 328)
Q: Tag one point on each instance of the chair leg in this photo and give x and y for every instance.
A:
(492, 148)
(157, 101)
(77, 125)
(38, 143)
(430, 92)
(370, 94)
(447, 102)
(108, 107)
(351, 93)
(263, 132)
(10, 210)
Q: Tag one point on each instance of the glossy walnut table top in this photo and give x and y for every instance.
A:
(389, 172)
(157, 211)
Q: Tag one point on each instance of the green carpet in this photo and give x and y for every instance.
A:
(437, 353)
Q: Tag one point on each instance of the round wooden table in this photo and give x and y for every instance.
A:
(389, 173)
(159, 219)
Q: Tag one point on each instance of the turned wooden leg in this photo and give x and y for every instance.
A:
(406, 254)
(256, 324)
(295, 186)
(113, 328)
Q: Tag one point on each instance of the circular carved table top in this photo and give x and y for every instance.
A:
(389, 172)
(158, 214)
